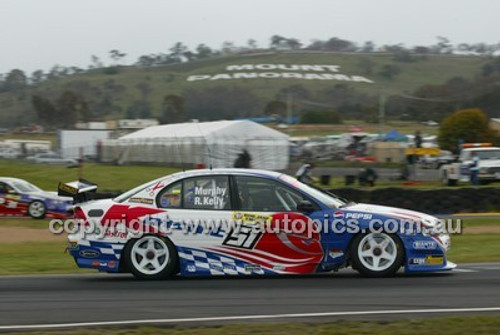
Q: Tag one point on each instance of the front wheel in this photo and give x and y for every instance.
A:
(37, 209)
(377, 254)
(152, 257)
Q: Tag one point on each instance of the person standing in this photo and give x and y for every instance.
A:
(243, 160)
(474, 169)
(303, 174)
(418, 139)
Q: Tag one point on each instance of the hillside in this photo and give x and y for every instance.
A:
(111, 95)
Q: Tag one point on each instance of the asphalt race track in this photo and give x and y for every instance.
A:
(42, 300)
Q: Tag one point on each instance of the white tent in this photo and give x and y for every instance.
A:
(215, 144)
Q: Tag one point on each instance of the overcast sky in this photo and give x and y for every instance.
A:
(36, 34)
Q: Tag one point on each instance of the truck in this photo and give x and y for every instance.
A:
(459, 171)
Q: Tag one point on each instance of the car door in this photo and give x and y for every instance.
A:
(198, 209)
(287, 244)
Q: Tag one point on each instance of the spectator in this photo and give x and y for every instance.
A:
(367, 177)
(474, 169)
(418, 139)
(303, 174)
(243, 160)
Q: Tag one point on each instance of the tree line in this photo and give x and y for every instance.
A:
(83, 100)
(180, 53)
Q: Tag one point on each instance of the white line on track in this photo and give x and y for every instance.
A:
(250, 317)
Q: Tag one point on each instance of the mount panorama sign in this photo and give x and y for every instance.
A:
(281, 71)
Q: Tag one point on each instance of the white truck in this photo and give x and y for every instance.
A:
(459, 171)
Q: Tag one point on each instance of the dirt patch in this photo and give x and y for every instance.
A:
(482, 230)
(22, 234)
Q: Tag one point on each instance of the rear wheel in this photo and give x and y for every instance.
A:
(377, 254)
(37, 209)
(152, 257)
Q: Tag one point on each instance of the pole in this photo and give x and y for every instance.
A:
(80, 163)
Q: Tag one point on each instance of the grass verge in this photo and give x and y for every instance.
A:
(441, 325)
(36, 258)
(108, 177)
(474, 248)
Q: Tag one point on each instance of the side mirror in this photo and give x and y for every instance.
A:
(306, 206)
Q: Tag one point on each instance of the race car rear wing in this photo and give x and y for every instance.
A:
(81, 190)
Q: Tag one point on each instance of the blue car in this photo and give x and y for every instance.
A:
(247, 222)
(19, 198)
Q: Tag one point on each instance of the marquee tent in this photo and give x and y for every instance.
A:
(215, 144)
(394, 136)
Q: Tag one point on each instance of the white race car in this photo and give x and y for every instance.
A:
(244, 222)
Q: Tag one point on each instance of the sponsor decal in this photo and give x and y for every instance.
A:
(338, 215)
(279, 267)
(435, 260)
(73, 246)
(164, 202)
(253, 268)
(417, 261)
(67, 188)
(89, 253)
(98, 264)
(141, 201)
(118, 234)
(334, 253)
(429, 260)
(159, 185)
(251, 217)
(191, 268)
(424, 245)
(216, 267)
(111, 264)
(363, 216)
(11, 204)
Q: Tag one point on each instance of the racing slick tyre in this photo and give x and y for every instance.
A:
(377, 254)
(152, 257)
(37, 209)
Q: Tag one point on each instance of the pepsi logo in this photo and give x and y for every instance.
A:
(338, 215)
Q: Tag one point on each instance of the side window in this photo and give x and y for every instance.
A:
(171, 196)
(260, 194)
(211, 192)
(4, 188)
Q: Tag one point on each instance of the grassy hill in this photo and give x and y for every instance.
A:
(123, 88)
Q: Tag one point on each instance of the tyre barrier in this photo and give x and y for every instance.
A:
(436, 201)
